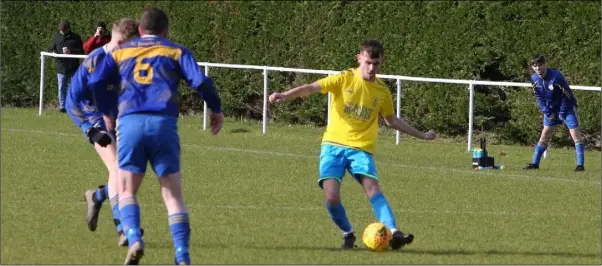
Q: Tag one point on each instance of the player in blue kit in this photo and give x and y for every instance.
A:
(82, 109)
(559, 106)
(149, 70)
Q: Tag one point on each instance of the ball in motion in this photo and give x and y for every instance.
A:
(376, 237)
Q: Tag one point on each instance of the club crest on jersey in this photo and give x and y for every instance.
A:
(374, 102)
(551, 86)
(349, 90)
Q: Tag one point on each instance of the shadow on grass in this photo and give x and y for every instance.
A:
(498, 252)
(402, 251)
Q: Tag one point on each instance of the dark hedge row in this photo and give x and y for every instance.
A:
(461, 39)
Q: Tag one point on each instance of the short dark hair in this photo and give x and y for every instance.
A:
(101, 24)
(64, 25)
(538, 59)
(153, 21)
(373, 48)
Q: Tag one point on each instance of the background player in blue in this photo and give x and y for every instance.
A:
(82, 110)
(149, 69)
(559, 106)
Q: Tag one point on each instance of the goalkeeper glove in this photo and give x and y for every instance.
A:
(101, 137)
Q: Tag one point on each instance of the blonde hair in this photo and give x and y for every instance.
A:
(127, 27)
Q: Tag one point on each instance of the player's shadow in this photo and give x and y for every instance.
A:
(441, 252)
(498, 252)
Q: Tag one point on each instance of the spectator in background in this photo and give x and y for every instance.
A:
(100, 38)
(65, 42)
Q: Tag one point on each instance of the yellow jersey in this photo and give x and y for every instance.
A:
(355, 109)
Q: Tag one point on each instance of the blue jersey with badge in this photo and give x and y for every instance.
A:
(553, 93)
(80, 103)
(148, 70)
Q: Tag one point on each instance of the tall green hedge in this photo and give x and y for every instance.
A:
(447, 39)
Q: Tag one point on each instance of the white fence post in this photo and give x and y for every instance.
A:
(265, 100)
(470, 114)
(41, 83)
(398, 134)
(205, 103)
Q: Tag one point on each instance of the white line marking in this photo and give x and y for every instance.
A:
(322, 209)
(500, 174)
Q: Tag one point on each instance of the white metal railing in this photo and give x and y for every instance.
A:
(266, 69)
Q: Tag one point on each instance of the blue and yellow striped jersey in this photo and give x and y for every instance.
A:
(553, 93)
(148, 70)
(80, 103)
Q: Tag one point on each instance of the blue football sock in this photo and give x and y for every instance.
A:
(580, 150)
(382, 211)
(129, 212)
(339, 217)
(539, 149)
(180, 234)
(115, 209)
(100, 195)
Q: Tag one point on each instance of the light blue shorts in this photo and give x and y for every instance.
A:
(335, 160)
(143, 138)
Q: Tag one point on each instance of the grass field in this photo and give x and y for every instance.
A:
(253, 199)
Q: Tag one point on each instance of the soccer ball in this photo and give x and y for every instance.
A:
(376, 237)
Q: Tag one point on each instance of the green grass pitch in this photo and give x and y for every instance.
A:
(253, 199)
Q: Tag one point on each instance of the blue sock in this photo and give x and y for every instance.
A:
(129, 212)
(115, 209)
(382, 211)
(180, 234)
(101, 194)
(539, 149)
(339, 217)
(580, 150)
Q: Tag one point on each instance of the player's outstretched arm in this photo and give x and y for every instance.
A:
(301, 91)
(197, 80)
(205, 88)
(209, 93)
(401, 125)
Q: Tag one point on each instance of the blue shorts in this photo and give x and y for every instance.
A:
(143, 138)
(334, 160)
(571, 120)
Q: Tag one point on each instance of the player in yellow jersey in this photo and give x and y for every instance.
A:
(359, 98)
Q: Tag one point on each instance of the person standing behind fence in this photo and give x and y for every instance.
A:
(101, 37)
(65, 42)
